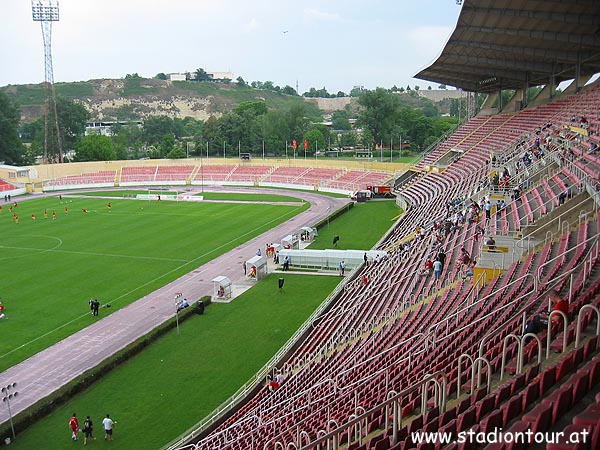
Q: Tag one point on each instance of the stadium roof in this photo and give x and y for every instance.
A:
(501, 44)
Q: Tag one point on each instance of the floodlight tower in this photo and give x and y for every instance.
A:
(46, 12)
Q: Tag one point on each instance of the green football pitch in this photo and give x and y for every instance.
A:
(52, 266)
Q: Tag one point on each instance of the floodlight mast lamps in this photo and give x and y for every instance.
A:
(8, 393)
(46, 12)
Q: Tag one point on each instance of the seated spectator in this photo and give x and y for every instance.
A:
(470, 270)
(559, 304)
(427, 268)
(465, 258)
(491, 243)
(534, 326)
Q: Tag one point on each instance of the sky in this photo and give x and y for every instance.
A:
(336, 44)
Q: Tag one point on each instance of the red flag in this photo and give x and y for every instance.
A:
(294, 144)
(305, 145)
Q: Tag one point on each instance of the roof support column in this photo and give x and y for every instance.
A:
(578, 72)
(552, 86)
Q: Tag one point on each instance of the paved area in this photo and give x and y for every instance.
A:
(50, 369)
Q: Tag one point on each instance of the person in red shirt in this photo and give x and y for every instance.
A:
(74, 426)
(559, 304)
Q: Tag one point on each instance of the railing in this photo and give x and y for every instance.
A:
(454, 317)
(330, 438)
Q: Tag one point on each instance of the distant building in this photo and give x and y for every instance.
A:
(105, 128)
(177, 77)
(220, 75)
(214, 76)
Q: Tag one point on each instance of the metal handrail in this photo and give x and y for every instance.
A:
(326, 438)
(455, 315)
(579, 317)
(549, 333)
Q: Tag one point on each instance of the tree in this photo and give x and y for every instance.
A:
(155, 127)
(71, 121)
(167, 144)
(240, 82)
(379, 114)
(339, 120)
(288, 90)
(201, 75)
(161, 76)
(340, 94)
(176, 153)
(11, 149)
(95, 147)
(315, 140)
(132, 75)
(429, 87)
(442, 86)
(417, 87)
(296, 121)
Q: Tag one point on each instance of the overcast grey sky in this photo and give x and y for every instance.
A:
(335, 44)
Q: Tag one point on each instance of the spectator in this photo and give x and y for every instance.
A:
(534, 326)
(559, 304)
(441, 257)
(465, 258)
(437, 269)
(491, 243)
(427, 268)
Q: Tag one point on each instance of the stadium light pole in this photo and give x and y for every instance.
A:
(46, 12)
(7, 396)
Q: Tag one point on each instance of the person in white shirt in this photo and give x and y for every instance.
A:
(108, 423)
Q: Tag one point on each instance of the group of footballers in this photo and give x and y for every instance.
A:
(15, 217)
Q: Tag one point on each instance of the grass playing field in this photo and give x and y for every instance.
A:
(51, 267)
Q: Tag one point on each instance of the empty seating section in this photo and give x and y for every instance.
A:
(138, 174)
(173, 173)
(339, 179)
(251, 174)
(390, 327)
(210, 172)
(100, 177)
(5, 186)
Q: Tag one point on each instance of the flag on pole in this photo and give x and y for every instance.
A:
(305, 144)
(294, 144)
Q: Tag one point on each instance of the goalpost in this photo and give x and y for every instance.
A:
(160, 194)
(163, 194)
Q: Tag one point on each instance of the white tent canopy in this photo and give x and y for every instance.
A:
(330, 259)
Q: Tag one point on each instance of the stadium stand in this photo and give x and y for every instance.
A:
(407, 352)
(102, 177)
(6, 186)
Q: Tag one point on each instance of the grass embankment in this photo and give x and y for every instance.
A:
(360, 229)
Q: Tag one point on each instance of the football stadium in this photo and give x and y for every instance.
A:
(472, 323)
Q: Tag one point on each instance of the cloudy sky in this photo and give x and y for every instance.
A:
(335, 44)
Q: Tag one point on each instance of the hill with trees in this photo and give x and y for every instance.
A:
(158, 118)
